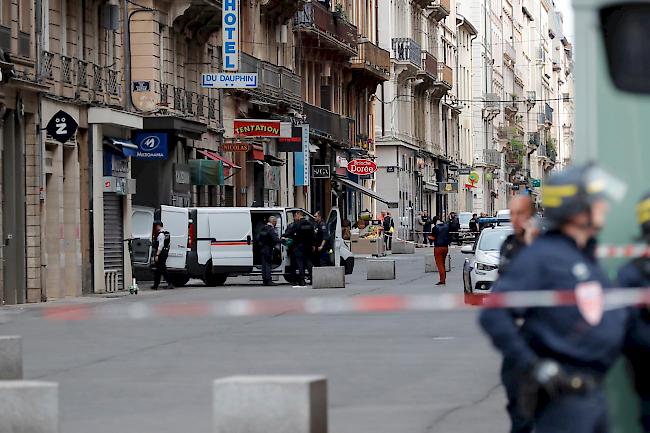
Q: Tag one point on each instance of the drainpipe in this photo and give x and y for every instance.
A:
(38, 32)
(127, 56)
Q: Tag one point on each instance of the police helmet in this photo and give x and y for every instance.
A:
(643, 216)
(573, 191)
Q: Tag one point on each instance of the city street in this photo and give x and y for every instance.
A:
(387, 373)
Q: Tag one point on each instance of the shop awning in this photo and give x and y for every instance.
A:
(363, 190)
(216, 157)
(206, 172)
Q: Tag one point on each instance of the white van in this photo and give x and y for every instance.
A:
(214, 243)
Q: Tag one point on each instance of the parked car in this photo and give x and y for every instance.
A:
(503, 217)
(482, 269)
(214, 243)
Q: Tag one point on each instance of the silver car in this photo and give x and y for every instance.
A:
(481, 270)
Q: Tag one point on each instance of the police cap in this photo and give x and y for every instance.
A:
(573, 191)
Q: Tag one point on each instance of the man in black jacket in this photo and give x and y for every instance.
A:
(268, 239)
(302, 235)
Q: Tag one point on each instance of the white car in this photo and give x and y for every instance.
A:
(482, 269)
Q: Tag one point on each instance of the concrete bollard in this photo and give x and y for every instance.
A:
(381, 269)
(328, 277)
(11, 357)
(29, 407)
(402, 247)
(430, 263)
(270, 404)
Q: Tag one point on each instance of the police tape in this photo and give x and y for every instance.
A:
(626, 251)
(610, 299)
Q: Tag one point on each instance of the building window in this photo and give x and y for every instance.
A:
(24, 14)
(5, 13)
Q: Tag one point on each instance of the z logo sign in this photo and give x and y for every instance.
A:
(61, 127)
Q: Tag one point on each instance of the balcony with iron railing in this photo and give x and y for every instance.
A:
(407, 51)
(327, 124)
(446, 75)
(327, 28)
(440, 9)
(488, 158)
(276, 84)
(372, 61)
(189, 104)
(429, 66)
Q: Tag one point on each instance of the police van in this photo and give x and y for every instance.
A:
(214, 243)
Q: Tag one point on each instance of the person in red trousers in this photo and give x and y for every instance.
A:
(441, 241)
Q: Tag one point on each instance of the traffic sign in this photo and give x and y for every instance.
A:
(229, 80)
(537, 183)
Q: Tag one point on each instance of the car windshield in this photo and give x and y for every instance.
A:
(491, 240)
(464, 218)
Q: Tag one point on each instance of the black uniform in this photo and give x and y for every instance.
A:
(520, 422)
(321, 258)
(509, 249)
(637, 346)
(473, 225)
(268, 239)
(561, 334)
(387, 224)
(302, 236)
(160, 264)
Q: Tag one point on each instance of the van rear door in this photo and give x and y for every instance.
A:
(176, 220)
(335, 233)
(231, 239)
(141, 226)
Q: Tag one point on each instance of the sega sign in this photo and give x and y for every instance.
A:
(151, 145)
(230, 35)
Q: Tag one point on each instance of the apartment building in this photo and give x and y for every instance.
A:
(467, 33)
(414, 127)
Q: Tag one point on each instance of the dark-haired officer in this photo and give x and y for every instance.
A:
(561, 354)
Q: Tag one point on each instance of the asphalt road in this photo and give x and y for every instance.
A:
(408, 372)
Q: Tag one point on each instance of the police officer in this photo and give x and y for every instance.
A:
(521, 211)
(300, 233)
(160, 248)
(562, 353)
(268, 239)
(321, 256)
(636, 273)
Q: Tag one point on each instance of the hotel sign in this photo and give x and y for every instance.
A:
(230, 35)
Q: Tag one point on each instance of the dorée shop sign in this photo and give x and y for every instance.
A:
(362, 167)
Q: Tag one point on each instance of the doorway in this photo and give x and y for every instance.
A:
(13, 211)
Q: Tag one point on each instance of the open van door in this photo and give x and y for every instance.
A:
(342, 256)
(231, 243)
(176, 221)
(141, 226)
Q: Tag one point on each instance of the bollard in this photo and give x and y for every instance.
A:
(403, 247)
(430, 263)
(29, 407)
(270, 404)
(381, 269)
(11, 357)
(328, 277)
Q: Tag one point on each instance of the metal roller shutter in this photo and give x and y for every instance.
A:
(113, 240)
